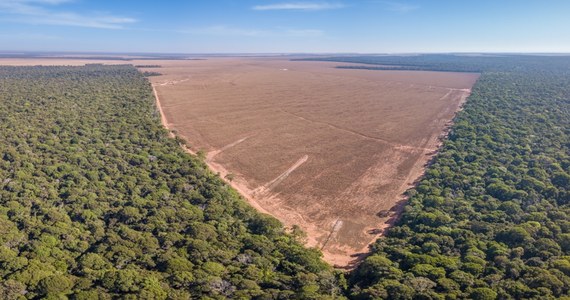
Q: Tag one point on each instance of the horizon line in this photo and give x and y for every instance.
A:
(68, 52)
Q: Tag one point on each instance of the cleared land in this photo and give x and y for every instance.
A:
(331, 150)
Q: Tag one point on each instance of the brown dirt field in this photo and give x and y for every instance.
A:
(326, 149)
(331, 150)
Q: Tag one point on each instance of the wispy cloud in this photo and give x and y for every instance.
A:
(223, 30)
(306, 6)
(44, 12)
(29, 36)
(51, 2)
(400, 7)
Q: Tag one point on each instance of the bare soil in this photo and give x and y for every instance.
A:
(331, 150)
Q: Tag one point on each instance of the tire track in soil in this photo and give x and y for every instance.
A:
(213, 153)
(241, 188)
(336, 227)
(397, 146)
(273, 183)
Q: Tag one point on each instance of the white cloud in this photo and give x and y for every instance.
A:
(51, 2)
(29, 36)
(35, 12)
(307, 6)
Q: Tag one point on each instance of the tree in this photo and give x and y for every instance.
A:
(55, 284)
(483, 294)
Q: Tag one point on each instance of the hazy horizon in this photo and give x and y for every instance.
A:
(71, 54)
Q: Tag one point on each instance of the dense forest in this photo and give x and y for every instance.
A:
(491, 217)
(96, 202)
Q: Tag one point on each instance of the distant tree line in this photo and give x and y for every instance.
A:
(148, 74)
(148, 66)
(479, 63)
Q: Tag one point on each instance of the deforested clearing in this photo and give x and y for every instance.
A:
(330, 150)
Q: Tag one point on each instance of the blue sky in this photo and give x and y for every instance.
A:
(268, 26)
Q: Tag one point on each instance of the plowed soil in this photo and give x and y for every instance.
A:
(331, 150)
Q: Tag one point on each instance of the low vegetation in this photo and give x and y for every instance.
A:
(97, 202)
